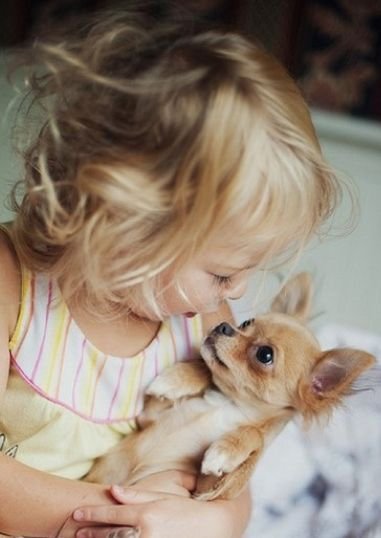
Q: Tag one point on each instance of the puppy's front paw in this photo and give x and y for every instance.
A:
(164, 386)
(219, 460)
(181, 380)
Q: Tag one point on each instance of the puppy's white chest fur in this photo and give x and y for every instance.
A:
(220, 414)
(202, 419)
(189, 428)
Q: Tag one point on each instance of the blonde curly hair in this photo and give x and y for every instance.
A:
(156, 140)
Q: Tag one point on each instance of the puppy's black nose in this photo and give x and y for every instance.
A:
(225, 329)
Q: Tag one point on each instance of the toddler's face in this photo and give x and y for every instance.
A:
(203, 284)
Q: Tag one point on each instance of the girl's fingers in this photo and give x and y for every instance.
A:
(136, 496)
(187, 481)
(125, 513)
(107, 532)
(114, 515)
(163, 483)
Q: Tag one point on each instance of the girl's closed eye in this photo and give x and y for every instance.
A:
(222, 280)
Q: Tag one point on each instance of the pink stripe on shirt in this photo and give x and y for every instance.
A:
(99, 372)
(31, 311)
(116, 391)
(37, 364)
(187, 338)
(62, 358)
(73, 396)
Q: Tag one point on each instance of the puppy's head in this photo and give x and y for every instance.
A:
(274, 361)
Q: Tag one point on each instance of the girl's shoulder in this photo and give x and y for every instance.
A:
(10, 281)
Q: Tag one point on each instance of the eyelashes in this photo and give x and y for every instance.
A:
(223, 281)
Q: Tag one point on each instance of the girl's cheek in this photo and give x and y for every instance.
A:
(206, 299)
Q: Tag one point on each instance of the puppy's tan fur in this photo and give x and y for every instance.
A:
(216, 415)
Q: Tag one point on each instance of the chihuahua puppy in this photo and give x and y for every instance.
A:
(215, 416)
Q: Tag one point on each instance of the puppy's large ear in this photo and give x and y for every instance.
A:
(330, 379)
(295, 297)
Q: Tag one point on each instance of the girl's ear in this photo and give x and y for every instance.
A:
(295, 297)
(332, 377)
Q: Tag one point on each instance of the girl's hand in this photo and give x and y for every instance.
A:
(162, 515)
(172, 482)
(167, 482)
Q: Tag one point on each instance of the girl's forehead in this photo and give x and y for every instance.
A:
(228, 256)
(250, 252)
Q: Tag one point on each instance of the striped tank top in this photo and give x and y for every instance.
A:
(66, 402)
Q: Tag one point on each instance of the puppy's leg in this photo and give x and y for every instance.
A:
(229, 485)
(229, 462)
(227, 453)
(115, 466)
(181, 380)
(152, 411)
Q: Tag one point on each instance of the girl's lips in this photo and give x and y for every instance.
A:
(190, 314)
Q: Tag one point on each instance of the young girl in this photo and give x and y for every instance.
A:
(170, 165)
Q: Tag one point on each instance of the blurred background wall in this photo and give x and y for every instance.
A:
(333, 49)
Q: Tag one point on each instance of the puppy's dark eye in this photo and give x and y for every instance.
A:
(265, 354)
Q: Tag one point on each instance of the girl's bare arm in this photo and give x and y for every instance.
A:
(33, 503)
